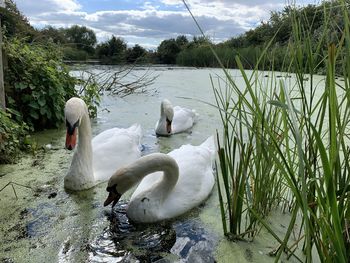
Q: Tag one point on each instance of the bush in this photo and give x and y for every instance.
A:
(71, 53)
(13, 137)
(37, 83)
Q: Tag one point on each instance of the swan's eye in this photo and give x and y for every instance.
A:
(70, 128)
(112, 188)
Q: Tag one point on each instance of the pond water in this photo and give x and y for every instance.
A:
(48, 224)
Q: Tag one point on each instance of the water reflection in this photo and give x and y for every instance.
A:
(124, 241)
(181, 240)
(83, 219)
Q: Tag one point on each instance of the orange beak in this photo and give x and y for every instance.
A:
(71, 140)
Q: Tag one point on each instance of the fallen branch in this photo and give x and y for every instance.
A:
(117, 81)
(13, 188)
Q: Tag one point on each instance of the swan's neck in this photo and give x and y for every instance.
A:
(161, 127)
(166, 111)
(80, 175)
(84, 149)
(157, 162)
(166, 114)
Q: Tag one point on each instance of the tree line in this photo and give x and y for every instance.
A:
(320, 25)
(80, 43)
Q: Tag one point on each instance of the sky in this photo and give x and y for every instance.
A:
(149, 22)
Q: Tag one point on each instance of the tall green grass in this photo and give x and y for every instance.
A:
(285, 143)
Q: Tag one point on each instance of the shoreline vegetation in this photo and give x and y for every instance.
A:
(286, 146)
(282, 145)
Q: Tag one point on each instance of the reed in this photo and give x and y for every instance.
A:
(285, 143)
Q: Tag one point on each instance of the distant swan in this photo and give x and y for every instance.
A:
(96, 160)
(174, 119)
(171, 183)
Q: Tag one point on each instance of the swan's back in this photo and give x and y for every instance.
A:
(196, 178)
(194, 185)
(115, 148)
(183, 120)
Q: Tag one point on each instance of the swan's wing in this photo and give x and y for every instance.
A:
(134, 131)
(147, 183)
(115, 148)
(196, 179)
(183, 119)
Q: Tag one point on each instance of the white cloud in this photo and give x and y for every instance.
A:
(152, 21)
(47, 6)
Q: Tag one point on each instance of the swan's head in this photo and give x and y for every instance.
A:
(166, 118)
(118, 184)
(73, 111)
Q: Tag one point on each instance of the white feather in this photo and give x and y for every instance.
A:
(95, 160)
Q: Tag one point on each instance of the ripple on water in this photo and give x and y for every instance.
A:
(123, 241)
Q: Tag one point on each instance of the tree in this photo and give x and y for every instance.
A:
(14, 23)
(82, 37)
(182, 41)
(116, 47)
(261, 34)
(237, 42)
(113, 50)
(201, 40)
(168, 50)
(281, 23)
(102, 50)
(135, 53)
(55, 35)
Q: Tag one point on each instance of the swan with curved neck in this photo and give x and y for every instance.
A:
(95, 160)
(174, 119)
(171, 184)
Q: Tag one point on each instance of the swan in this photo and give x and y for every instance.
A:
(96, 160)
(174, 119)
(171, 183)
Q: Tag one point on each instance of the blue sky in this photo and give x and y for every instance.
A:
(149, 22)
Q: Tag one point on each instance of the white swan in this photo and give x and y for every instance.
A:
(96, 160)
(186, 181)
(174, 119)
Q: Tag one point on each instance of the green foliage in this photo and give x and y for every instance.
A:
(37, 84)
(71, 53)
(286, 138)
(324, 24)
(14, 23)
(90, 90)
(135, 54)
(182, 41)
(92, 97)
(82, 37)
(13, 137)
(168, 50)
(112, 51)
(55, 35)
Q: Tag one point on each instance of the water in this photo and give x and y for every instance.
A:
(48, 224)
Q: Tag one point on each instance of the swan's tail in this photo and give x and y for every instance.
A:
(210, 144)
